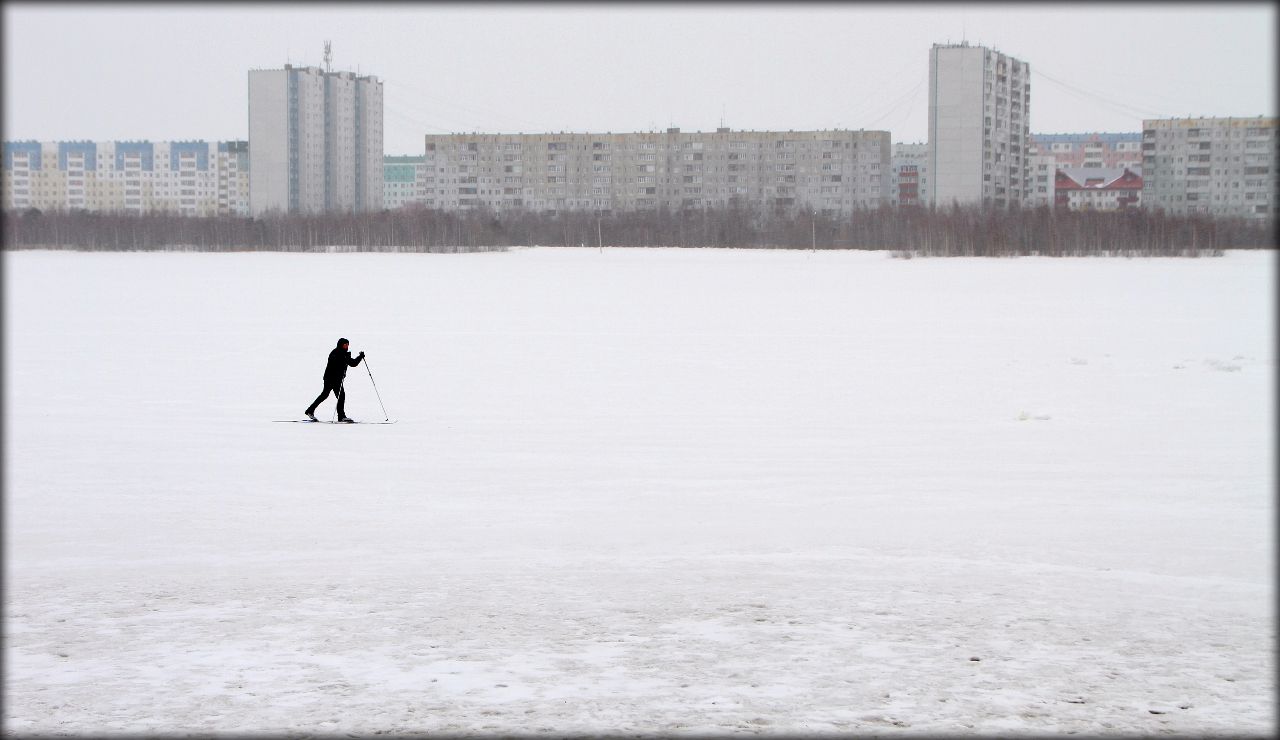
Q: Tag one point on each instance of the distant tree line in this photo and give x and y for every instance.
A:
(907, 231)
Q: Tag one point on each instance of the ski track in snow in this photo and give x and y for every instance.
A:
(655, 492)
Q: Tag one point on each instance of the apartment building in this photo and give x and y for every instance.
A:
(834, 171)
(233, 177)
(1097, 189)
(1108, 154)
(189, 178)
(1213, 166)
(315, 141)
(979, 108)
(1042, 171)
(1100, 150)
(909, 174)
(403, 181)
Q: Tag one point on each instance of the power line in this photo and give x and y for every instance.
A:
(1114, 105)
(451, 124)
(469, 109)
(415, 120)
(1086, 98)
(855, 109)
(911, 94)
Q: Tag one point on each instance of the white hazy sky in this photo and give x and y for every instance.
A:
(170, 72)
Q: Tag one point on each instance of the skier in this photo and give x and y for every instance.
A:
(334, 373)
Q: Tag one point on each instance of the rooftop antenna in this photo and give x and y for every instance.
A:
(328, 55)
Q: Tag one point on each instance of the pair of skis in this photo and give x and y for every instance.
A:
(322, 421)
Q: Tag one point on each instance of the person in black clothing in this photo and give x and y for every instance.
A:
(334, 373)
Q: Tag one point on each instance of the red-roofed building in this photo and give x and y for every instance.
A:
(1097, 189)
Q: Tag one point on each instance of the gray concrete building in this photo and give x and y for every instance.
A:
(835, 171)
(979, 113)
(1042, 172)
(910, 174)
(1212, 166)
(315, 141)
(403, 181)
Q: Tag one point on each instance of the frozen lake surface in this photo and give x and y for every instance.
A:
(640, 491)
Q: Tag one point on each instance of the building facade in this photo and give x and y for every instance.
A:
(909, 183)
(315, 141)
(189, 178)
(1043, 178)
(834, 171)
(403, 181)
(1100, 150)
(979, 109)
(1097, 189)
(1212, 166)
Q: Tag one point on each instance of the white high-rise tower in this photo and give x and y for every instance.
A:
(317, 138)
(979, 127)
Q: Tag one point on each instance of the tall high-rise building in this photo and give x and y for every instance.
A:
(979, 106)
(1211, 166)
(315, 138)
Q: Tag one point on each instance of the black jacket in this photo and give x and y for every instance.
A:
(339, 361)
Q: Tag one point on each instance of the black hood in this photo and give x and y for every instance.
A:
(342, 342)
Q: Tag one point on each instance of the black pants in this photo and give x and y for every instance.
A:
(337, 390)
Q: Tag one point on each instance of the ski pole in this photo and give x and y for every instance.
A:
(385, 417)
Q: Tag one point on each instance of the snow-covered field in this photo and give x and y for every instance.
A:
(640, 491)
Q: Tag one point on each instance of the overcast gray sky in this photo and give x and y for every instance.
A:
(108, 71)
